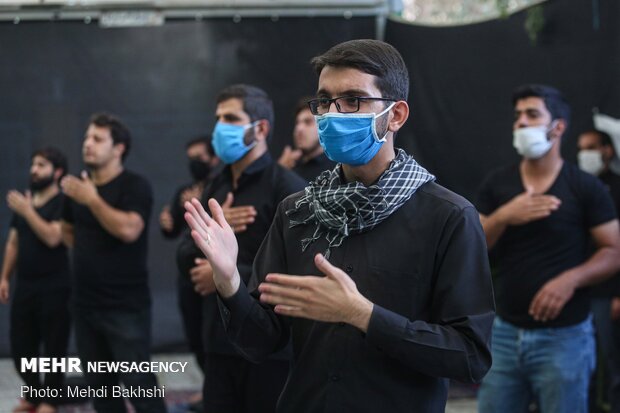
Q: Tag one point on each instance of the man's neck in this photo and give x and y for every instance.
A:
(41, 197)
(542, 167)
(241, 165)
(106, 173)
(313, 153)
(369, 173)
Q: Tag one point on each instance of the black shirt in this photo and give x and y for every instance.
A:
(177, 211)
(263, 184)
(530, 255)
(425, 268)
(38, 264)
(610, 287)
(312, 168)
(110, 273)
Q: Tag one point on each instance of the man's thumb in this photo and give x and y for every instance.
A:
(229, 200)
(325, 266)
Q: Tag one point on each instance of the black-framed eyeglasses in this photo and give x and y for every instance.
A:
(344, 104)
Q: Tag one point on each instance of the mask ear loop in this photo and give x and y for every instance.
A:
(247, 127)
(374, 124)
(552, 125)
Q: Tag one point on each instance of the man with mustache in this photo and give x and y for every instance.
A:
(39, 311)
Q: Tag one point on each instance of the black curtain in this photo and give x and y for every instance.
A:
(162, 81)
(462, 79)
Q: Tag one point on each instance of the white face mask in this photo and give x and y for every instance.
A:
(532, 142)
(591, 161)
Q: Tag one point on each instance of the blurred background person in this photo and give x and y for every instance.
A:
(596, 151)
(40, 320)
(250, 188)
(105, 220)
(308, 159)
(203, 166)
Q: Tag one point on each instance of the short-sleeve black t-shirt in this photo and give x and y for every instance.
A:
(110, 273)
(36, 262)
(527, 256)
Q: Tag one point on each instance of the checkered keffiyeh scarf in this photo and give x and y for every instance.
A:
(338, 209)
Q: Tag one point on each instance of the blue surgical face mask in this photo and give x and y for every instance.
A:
(350, 138)
(228, 141)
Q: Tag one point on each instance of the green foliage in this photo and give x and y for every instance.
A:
(534, 22)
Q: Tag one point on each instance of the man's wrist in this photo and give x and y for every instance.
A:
(360, 317)
(93, 201)
(27, 212)
(573, 278)
(227, 287)
(500, 216)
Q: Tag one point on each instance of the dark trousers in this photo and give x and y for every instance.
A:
(608, 337)
(40, 324)
(116, 335)
(235, 385)
(190, 304)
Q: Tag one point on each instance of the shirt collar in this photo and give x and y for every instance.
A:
(257, 166)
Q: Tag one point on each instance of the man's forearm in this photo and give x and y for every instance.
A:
(493, 226)
(10, 259)
(48, 232)
(601, 266)
(127, 226)
(67, 234)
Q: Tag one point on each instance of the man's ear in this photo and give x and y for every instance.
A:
(261, 130)
(119, 148)
(559, 128)
(608, 152)
(399, 115)
(57, 174)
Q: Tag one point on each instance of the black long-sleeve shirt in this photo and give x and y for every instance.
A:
(263, 184)
(425, 269)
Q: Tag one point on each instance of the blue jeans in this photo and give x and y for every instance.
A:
(116, 335)
(551, 366)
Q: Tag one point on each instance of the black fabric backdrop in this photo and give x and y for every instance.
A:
(462, 79)
(162, 82)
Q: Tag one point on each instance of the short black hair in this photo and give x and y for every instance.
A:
(256, 102)
(202, 140)
(373, 57)
(604, 138)
(118, 130)
(54, 156)
(553, 98)
(302, 104)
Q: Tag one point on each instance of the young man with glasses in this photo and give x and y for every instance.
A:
(378, 275)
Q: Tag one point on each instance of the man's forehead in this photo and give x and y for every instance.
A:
(337, 81)
(532, 102)
(305, 114)
(40, 160)
(232, 105)
(589, 138)
(99, 130)
(197, 147)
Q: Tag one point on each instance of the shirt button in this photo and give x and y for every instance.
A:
(348, 269)
(335, 377)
